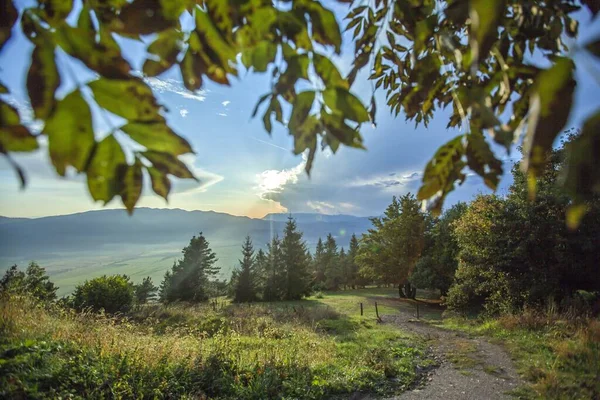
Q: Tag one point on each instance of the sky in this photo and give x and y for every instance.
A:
(243, 170)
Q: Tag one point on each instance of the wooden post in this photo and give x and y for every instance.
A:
(377, 312)
(361, 309)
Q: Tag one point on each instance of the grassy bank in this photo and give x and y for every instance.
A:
(316, 348)
(558, 356)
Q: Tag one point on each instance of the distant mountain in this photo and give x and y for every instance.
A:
(312, 217)
(76, 246)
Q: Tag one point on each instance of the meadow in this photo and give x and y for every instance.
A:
(320, 347)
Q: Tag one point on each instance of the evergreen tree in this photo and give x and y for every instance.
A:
(145, 291)
(164, 290)
(390, 250)
(344, 267)
(260, 270)
(33, 282)
(189, 277)
(274, 274)
(318, 266)
(245, 289)
(352, 277)
(333, 269)
(296, 262)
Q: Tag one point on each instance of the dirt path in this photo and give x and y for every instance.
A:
(469, 367)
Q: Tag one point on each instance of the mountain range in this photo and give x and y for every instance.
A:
(78, 246)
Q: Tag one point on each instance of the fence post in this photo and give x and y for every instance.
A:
(377, 312)
(361, 309)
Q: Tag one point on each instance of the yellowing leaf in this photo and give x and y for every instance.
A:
(8, 17)
(168, 164)
(160, 182)
(549, 111)
(485, 17)
(482, 160)
(13, 135)
(328, 72)
(70, 133)
(102, 171)
(166, 47)
(302, 106)
(340, 100)
(142, 17)
(130, 179)
(42, 80)
(132, 99)
(157, 136)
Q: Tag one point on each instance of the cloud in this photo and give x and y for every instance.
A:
(183, 112)
(388, 181)
(321, 207)
(272, 182)
(226, 103)
(174, 86)
(206, 179)
(222, 114)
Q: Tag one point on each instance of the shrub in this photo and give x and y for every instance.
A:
(113, 293)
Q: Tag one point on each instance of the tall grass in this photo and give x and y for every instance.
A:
(299, 350)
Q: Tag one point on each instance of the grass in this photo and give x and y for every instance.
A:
(315, 348)
(560, 357)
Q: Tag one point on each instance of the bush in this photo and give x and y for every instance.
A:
(113, 293)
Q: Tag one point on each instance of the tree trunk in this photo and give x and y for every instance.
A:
(409, 291)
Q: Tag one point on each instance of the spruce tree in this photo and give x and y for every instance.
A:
(343, 260)
(145, 291)
(189, 277)
(245, 290)
(260, 270)
(333, 269)
(353, 278)
(296, 261)
(318, 264)
(274, 272)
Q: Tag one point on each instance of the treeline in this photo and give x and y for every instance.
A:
(497, 254)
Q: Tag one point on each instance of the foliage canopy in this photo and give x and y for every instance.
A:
(425, 55)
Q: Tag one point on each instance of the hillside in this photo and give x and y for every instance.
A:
(78, 246)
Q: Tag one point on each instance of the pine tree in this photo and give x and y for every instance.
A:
(189, 277)
(145, 291)
(343, 260)
(353, 278)
(260, 270)
(333, 270)
(245, 290)
(296, 261)
(274, 272)
(318, 265)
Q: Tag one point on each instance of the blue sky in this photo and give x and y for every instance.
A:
(243, 170)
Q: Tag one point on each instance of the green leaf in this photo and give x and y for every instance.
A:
(192, 69)
(482, 160)
(130, 178)
(212, 39)
(550, 105)
(132, 99)
(70, 133)
(57, 10)
(42, 80)
(143, 17)
(594, 48)
(442, 172)
(335, 126)
(340, 100)
(3, 89)
(157, 136)
(102, 171)
(328, 72)
(485, 18)
(302, 107)
(103, 56)
(166, 47)
(168, 164)
(582, 177)
(325, 28)
(13, 135)
(262, 55)
(305, 134)
(160, 182)
(575, 213)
